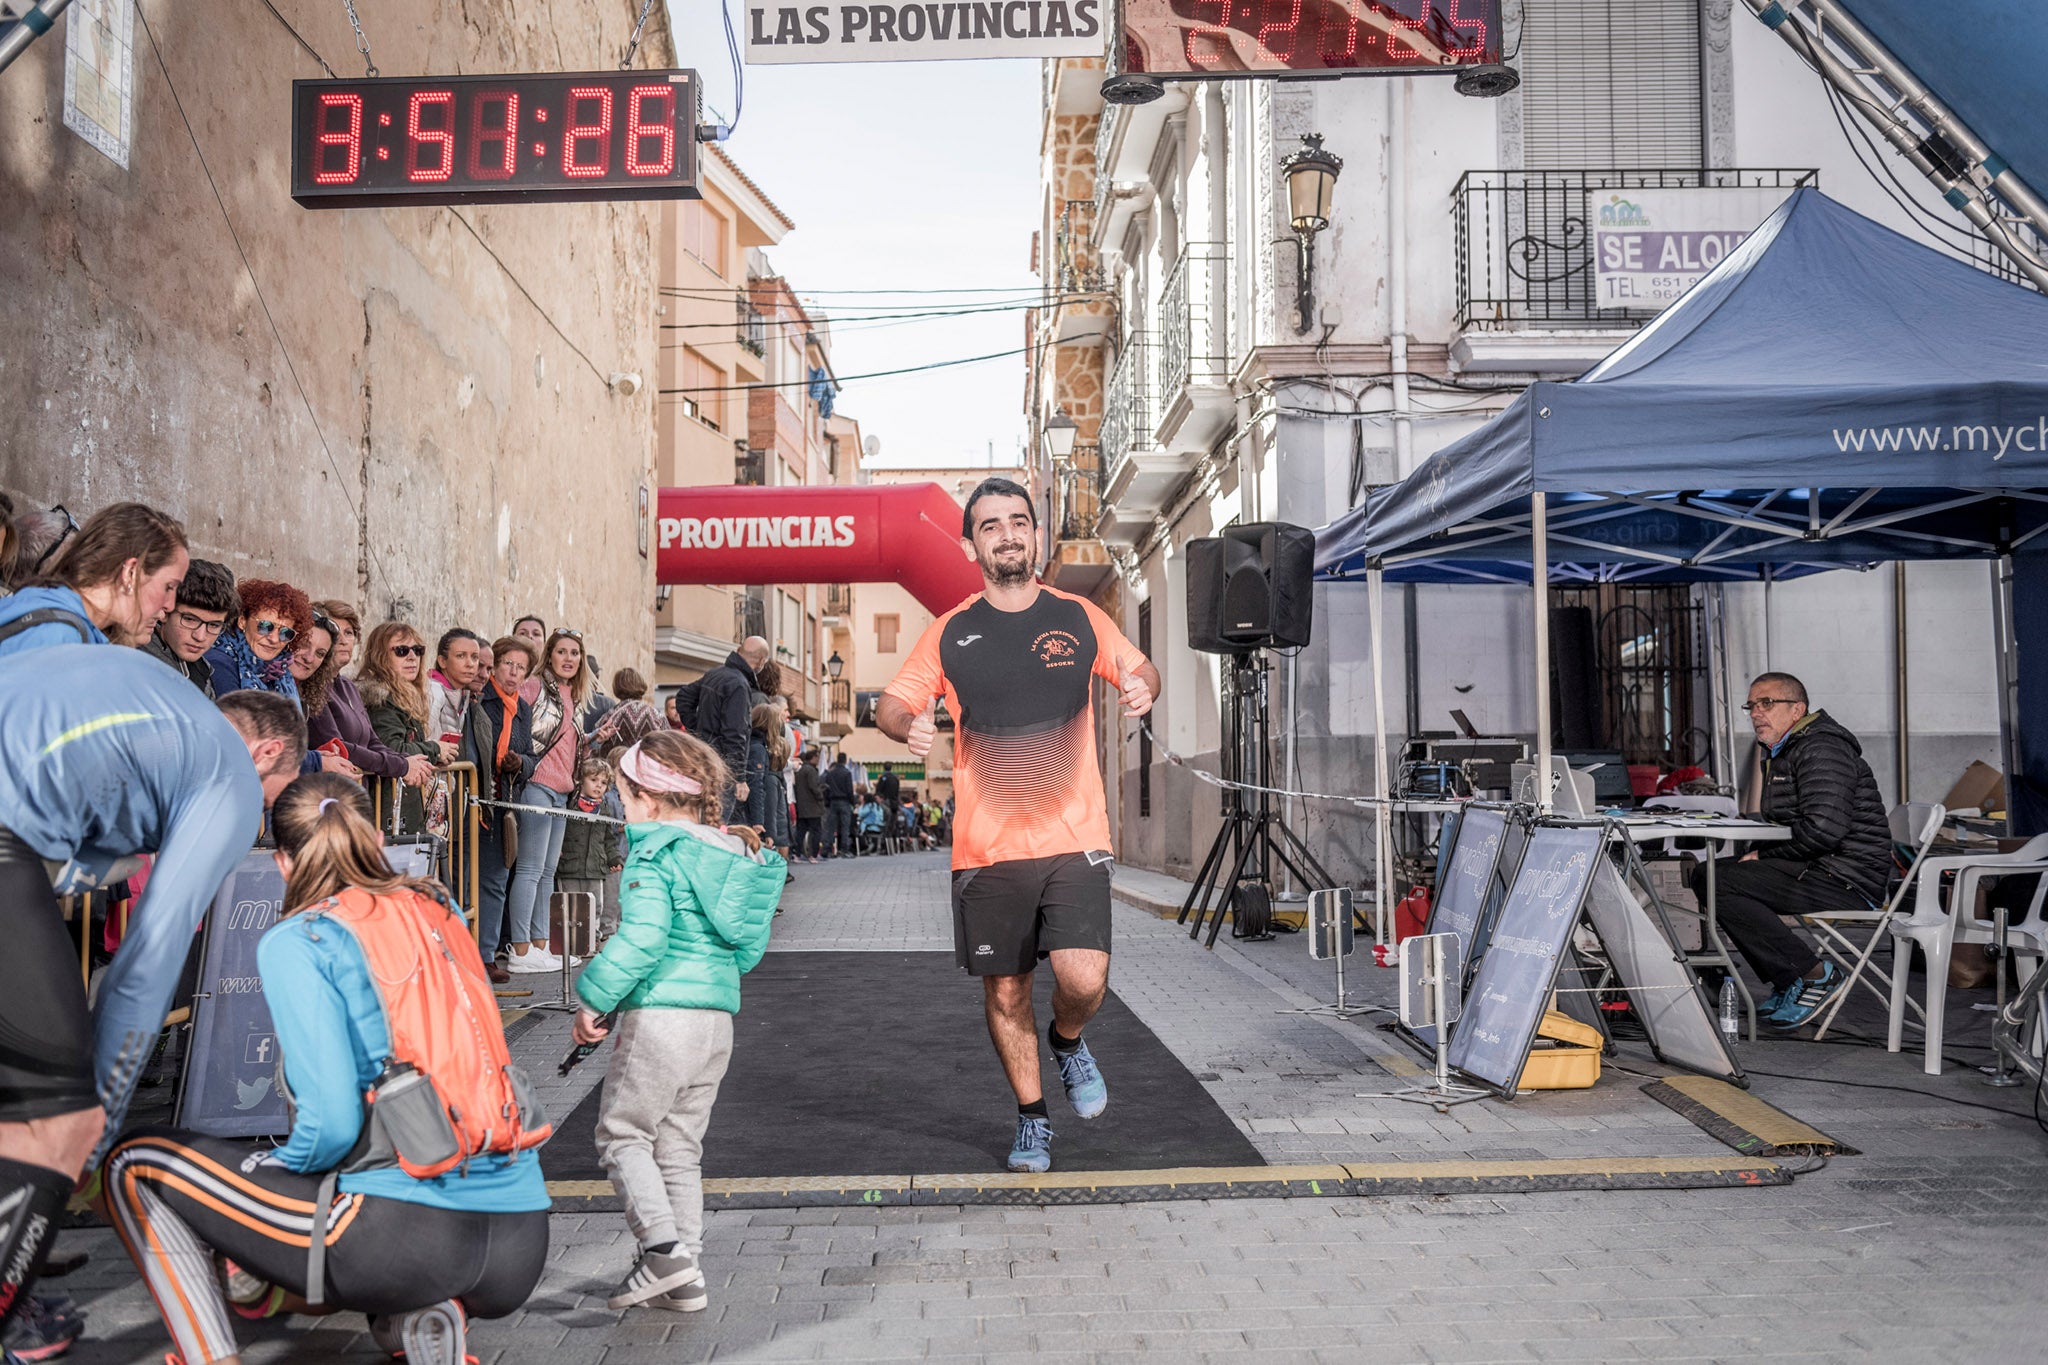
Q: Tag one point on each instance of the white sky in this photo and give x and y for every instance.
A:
(900, 175)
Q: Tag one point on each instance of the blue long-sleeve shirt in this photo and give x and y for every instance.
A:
(336, 1040)
(105, 753)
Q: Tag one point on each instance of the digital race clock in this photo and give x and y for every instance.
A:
(480, 139)
(1275, 37)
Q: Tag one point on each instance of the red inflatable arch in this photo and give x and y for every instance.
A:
(880, 533)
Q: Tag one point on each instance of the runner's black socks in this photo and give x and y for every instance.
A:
(1034, 1110)
(1063, 1046)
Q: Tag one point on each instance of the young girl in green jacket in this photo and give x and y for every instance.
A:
(695, 905)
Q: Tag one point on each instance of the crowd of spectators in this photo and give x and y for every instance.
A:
(526, 708)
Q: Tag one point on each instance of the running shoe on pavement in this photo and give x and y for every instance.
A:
(1807, 998)
(436, 1335)
(533, 960)
(1031, 1153)
(1086, 1090)
(43, 1330)
(654, 1275)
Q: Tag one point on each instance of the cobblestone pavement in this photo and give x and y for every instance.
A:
(1917, 1250)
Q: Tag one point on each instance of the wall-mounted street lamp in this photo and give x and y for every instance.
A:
(1311, 175)
(834, 666)
(1058, 435)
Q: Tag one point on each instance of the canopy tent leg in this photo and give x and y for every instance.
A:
(1539, 546)
(1382, 835)
(1900, 680)
(1723, 685)
(2008, 680)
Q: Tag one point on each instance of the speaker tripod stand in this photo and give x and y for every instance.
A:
(1254, 835)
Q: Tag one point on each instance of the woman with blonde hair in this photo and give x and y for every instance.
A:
(560, 692)
(418, 1244)
(389, 677)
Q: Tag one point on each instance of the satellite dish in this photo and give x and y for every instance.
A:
(872, 446)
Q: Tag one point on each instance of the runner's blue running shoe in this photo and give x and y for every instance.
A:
(1031, 1153)
(1086, 1090)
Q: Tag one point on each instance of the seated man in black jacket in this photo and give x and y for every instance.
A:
(1838, 858)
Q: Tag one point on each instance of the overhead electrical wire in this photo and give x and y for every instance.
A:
(989, 289)
(844, 379)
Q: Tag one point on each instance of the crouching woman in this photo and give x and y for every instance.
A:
(410, 1188)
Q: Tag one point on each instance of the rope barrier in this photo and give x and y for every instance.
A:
(554, 811)
(1365, 802)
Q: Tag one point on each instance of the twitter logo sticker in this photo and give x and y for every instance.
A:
(251, 1093)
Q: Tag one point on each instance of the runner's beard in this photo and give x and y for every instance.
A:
(1006, 573)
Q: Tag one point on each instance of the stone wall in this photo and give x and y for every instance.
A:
(409, 406)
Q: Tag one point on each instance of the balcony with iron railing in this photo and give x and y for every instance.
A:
(838, 599)
(838, 721)
(1128, 418)
(1523, 240)
(1078, 488)
(752, 329)
(1194, 348)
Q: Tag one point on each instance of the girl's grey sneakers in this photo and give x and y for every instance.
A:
(657, 1277)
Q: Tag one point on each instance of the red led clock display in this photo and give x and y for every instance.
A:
(1261, 37)
(477, 139)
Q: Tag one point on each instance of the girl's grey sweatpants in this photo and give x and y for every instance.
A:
(658, 1094)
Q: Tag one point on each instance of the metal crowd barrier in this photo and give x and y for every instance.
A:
(454, 828)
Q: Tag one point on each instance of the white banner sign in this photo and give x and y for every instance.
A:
(1651, 245)
(947, 30)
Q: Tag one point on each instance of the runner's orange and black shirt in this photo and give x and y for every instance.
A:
(1019, 686)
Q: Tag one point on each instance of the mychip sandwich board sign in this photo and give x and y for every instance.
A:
(1463, 888)
(230, 1079)
(912, 32)
(1511, 989)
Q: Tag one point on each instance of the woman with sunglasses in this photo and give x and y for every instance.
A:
(256, 650)
(346, 716)
(394, 659)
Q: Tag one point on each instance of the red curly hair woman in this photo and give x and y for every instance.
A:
(256, 651)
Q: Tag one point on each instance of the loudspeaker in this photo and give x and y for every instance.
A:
(1250, 588)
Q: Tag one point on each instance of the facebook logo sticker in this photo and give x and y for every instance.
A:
(261, 1049)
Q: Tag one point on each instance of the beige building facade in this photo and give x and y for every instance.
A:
(417, 408)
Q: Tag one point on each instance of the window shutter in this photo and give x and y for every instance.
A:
(1611, 85)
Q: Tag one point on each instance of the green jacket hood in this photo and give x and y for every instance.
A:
(694, 916)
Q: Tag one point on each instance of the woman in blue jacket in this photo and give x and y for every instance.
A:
(212, 1224)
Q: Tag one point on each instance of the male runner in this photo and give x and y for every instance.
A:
(105, 753)
(1031, 842)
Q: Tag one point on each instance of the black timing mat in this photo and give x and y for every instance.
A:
(880, 1064)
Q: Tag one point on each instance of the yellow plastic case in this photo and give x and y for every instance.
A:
(1566, 1055)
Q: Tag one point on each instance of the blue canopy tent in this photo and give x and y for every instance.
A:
(1831, 394)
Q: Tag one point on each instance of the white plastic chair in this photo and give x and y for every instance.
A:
(1937, 928)
(1914, 825)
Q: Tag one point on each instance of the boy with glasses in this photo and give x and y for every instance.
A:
(206, 599)
(1839, 857)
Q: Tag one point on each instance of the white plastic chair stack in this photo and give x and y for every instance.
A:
(1914, 825)
(1938, 927)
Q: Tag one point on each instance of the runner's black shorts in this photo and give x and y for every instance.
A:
(1007, 917)
(45, 1028)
